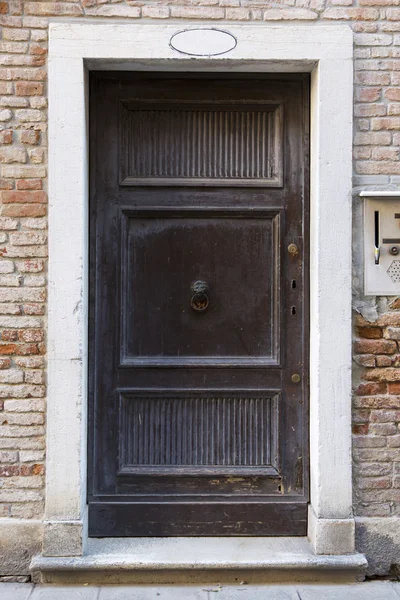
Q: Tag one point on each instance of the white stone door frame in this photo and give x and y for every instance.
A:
(325, 52)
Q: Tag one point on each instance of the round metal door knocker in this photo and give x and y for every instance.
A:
(199, 300)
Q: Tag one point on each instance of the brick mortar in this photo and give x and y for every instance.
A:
(23, 226)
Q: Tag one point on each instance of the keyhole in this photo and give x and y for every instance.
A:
(294, 284)
(293, 310)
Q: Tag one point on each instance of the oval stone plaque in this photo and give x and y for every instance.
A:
(203, 42)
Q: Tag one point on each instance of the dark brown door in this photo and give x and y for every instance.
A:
(198, 305)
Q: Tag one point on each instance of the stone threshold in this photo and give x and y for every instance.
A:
(233, 560)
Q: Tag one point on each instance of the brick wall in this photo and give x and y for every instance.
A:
(23, 251)
(376, 415)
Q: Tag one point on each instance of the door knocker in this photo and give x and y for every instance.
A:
(199, 301)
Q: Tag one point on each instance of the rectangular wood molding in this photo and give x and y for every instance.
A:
(199, 434)
(200, 145)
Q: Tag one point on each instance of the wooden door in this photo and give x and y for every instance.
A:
(198, 305)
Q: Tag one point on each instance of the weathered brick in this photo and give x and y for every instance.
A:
(15, 34)
(384, 361)
(31, 335)
(8, 224)
(382, 429)
(392, 94)
(34, 309)
(29, 184)
(27, 238)
(29, 136)
(10, 154)
(27, 418)
(155, 12)
(374, 346)
(24, 210)
(392, 333)
(9, 335)
(353, 13)
(116, 10)
(10, 309)
(361, 416)
(28, 266)
(369, 332)
(373, 138)
(27, 510)
(6, 136)
(361, 428)
(29, 362)
(386, 123)
(385, 416)
(384, 374)
(365, 360)
(373, 78)
(367, 39)
(379, 483)
(6, 266)
(31, 456)
(23, 251)
(197, 12)
(8, 457)
(289, 14)
(5, 115)
(385, 154)
(53, 9)
(365, 441)
(370, 389)
(22, 172)
(30, 405)
(35, 376)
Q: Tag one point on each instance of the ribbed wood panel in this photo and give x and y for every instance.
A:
(196, 431)
(202, 144)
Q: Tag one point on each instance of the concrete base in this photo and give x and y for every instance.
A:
(19, 541)
(379, 540)
(330, 536)
(195, 560)
(62, 539)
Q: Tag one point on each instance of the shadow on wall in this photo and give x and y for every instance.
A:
(379, 540)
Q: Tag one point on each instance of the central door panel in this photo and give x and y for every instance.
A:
(236, 254)
(198, 324)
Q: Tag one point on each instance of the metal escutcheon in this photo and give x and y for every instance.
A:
(200, 300)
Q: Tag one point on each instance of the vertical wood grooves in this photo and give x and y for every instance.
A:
(209, 144)
(171, 431)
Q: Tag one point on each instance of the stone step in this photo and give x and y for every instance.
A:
(198, 560)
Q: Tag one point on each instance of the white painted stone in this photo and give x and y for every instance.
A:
(325, 52)
(203, 42)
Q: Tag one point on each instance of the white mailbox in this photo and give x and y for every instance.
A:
(381, 243)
